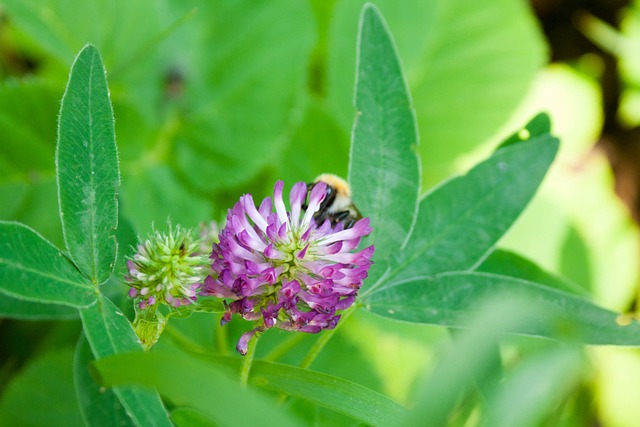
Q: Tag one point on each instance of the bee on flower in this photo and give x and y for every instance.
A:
(291, 269)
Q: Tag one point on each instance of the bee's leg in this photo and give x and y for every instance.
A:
(305, 204)
(344, 217)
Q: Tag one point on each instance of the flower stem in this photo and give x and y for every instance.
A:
(324, 339)
(247, 361)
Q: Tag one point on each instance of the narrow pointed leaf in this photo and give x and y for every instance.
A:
(460, 222)
(87, 168)
(384, 169)
(449, 299)
(34, 270)
(109, 332)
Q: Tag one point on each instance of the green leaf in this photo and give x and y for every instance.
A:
(461, 221)
(468, 64)
(449, 380)
(197, 385)
(534, 389)
(28, 108)
(33, 269)
(243, 105)
(384, 169)
(87, 168)
(449, 298)
(97, 405)
(539, 125)
(187, 417)
(354, 400)
(506, 263)
(109, 332)
(153, 195)
(15, 308)
(42, 394)
(337, 394)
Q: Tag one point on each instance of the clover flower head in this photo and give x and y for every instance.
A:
(281, 269)
(168, 268)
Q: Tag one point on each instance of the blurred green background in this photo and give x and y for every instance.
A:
(214, 99)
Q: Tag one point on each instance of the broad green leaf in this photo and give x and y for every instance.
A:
(384, 169)
(109, 332)
(506, 263)
(449, 298)
(42, 394)
(33, 269)
(97, 405)
(468, 65)
(455, 371)
(535, 387)
(87, 168)
(16, 308)
(243, 105)
(460, 221)
(197, 385)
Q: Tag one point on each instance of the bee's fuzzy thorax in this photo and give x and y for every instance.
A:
(341, 186)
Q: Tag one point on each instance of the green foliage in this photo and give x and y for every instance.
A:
(34, 270)
(221, 99)
(87, 168)
(384, 169)
(109, 332)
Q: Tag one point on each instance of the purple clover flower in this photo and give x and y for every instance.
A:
(281, 269)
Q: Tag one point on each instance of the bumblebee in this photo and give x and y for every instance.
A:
(337, 205)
